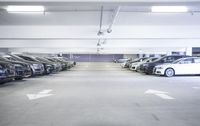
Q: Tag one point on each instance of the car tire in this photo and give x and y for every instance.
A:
(169, 72)
(18, 78)
(32, 73)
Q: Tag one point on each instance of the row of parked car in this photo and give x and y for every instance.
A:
(18, 66)
(168, 65)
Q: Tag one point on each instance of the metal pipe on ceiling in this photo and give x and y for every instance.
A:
(115, 13)
(100, 32)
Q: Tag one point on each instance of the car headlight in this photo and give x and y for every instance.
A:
(1, 69)
(35, 66)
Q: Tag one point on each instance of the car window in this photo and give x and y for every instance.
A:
(169, 59)
(10, 58)
(154, 59)
(186, 61)
(197, 60)
(27, 58)
(147, 61)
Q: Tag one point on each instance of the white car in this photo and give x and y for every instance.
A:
(183, 66)
(135, 66)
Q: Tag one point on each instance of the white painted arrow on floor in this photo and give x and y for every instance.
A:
(160, 94)
(42, 94)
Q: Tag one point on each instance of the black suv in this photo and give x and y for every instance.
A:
(21, 69)
(36, 67)
(148, 67)
(48, 67)
(7, 71)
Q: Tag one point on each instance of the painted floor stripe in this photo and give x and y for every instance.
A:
(164, 96)
(45, 91)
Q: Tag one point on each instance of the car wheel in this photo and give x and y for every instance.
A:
(169, 72)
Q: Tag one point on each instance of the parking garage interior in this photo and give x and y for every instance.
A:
(99, 63)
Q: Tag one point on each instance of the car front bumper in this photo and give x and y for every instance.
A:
(158, 71)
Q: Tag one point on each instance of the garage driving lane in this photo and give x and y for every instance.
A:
(101, 94)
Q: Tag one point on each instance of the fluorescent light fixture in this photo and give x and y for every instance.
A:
(169, 9)
(21, 9)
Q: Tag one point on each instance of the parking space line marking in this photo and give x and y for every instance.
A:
(161, 94)
(41, 94)
(164, 96)
(45, 91)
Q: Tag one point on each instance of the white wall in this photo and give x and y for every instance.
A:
(133, 56)
(90, 32)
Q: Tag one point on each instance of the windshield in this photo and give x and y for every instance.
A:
(27, 58)
(177, 61)
(16, 57)
(42, 59)
(158, 59)
(52, 60)
(147, 60)
(4, 59)
(136, 59)
(9, 58)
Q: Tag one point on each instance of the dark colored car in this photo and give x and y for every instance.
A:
(21, 69)
(64, 65)
(70, 64)
(136, 66)
(47, 66)
(56, 65)
(7, 71)
(37, 68)
(148, 67)
(141, 66)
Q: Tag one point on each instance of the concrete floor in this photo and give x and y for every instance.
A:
(101, 94)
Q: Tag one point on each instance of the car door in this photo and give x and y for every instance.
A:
(197, 65)
(185, 66)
